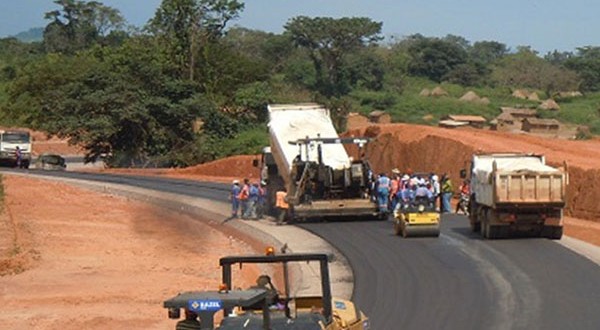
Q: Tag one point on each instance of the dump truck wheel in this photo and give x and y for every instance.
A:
(557, 233)
(485, 228)
(493, 231)
(475, 226)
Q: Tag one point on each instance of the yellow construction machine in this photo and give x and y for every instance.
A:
(265, 307)
(417, 218)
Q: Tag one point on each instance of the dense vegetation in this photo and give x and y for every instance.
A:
(188, 88)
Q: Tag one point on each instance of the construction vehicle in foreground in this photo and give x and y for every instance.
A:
(308, 159)
(264, 306)
(516, 194)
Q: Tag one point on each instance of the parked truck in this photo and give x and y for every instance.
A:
(307, 158)
(516, 193)
(10, 140)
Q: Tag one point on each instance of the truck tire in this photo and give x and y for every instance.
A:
(493, 232)
(484, 228)
(557, 233)
(552, 232)
(475, 227)
(473, 214)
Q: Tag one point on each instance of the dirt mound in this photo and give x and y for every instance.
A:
(238, 167)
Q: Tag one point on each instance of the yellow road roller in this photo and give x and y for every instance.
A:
(417, 218)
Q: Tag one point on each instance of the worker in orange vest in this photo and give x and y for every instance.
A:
(281, 205)
(244, 199)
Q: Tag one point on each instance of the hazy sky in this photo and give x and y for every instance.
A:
(544, 25)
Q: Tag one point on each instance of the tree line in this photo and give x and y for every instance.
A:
(188, 87)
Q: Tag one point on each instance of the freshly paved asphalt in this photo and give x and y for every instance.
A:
(456, 281)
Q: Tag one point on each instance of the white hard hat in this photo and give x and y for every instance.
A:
(405, 177)
(434, 177)
(236, 181)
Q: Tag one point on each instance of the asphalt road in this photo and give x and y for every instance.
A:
(456, 281)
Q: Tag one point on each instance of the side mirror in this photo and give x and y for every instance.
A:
(255, 162)
(463, 174)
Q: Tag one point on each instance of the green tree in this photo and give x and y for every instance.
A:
(434, 58)
(114, 101)
(487, 52)
(185, 27)
(78, 25)
(328, 41)
(526, 69)
(586, 63)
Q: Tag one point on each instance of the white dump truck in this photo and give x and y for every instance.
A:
(307, 158)
(10, 141)
(516, 193)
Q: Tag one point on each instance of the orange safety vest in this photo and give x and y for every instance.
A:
(245, 192)
(280, 200)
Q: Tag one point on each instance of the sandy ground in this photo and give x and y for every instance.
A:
(74, 259)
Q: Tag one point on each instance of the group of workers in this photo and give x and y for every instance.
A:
(400, 190)
(248, 200)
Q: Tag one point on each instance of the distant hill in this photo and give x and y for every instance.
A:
(31, 35)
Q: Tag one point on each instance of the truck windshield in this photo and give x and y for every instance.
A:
(15, 137)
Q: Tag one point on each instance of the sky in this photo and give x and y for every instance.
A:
(545, 25)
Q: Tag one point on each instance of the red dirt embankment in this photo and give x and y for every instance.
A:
(448, 151)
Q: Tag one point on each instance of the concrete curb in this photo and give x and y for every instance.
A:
(305, 277)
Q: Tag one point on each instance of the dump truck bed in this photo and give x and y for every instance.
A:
(514, 179)
(291, 122)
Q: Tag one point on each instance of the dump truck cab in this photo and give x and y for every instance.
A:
(266, 307)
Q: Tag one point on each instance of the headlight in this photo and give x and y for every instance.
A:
(421, 208)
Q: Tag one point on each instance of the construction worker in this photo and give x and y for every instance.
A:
(463, 199)
(383, 192)
(243, 197)
(190, 322)
(253, 200)
(234, 197)
(394, 188)
(18, 156)
(281, 205)
(262, 200)
(436, 190)
(447, 190)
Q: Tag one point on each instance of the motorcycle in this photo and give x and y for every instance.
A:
(463, 203)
